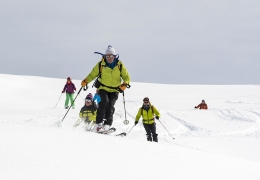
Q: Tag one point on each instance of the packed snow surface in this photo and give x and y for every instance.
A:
(222, 142)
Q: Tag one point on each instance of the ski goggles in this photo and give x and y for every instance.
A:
(109, 56)
(88, 100)
(146, 102)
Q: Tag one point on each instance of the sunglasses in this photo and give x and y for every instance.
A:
(146, 102)
(88, 100)
(109, 56)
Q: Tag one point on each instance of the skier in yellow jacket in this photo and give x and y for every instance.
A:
(148, 111)
(89, 110)
(87, 113)
(113, 78)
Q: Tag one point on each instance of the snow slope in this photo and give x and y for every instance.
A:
(219, 143)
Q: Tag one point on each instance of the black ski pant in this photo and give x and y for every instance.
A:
(106, 106)
(151, 131)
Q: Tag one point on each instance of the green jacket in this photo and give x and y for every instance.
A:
(109, 77)
(148, 116)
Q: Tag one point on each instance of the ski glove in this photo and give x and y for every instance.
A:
(84, 82)
(62, 91)
(122, 87)
(136, 122)
(157, 117)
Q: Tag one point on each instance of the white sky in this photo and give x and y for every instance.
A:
(176, 42)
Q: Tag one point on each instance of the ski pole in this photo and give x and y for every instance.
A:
(130, 129)
(166, 129)
(58, 101)
(74, 101)
(125, 121)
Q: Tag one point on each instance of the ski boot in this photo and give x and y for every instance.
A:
(98, 128)
(149, 137)
(155, 138)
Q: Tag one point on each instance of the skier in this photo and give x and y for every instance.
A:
(148, 111)
(89, 111)
(202, 105)
(96, 98)
(69, 88)
(110, 83)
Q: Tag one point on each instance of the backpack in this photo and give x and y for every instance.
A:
(143, 109)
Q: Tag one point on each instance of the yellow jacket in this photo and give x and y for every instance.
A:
(109, 77)
(88, 113)
(148, 116)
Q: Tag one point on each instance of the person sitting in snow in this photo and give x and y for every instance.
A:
(88, 112)
(148, 111)
(202, 105)
(69, 88)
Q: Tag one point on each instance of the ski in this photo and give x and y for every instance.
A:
(78, 122)
(121, 134)
(110, 130)
(89, 126)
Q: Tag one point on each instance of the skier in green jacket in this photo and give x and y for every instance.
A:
(149, 113)
(113, 78)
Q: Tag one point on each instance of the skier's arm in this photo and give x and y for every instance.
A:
(93, 74)
(197, 106)
(138, 115)
(81, 113)
(95, 97)
(156, 112)
(98, 98)
(125, 75)
(65, 87)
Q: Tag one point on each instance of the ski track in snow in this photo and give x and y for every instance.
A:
(192, 130)
(41, 120)
(230, 116)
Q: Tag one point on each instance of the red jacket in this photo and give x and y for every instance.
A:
(202, 106)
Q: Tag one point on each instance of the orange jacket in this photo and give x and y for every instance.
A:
(202, 106)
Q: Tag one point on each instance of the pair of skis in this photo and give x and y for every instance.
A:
(89, 127)
(111, 130)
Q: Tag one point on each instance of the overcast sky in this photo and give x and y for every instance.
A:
(162, 41)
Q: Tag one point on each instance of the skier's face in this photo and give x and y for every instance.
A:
(146, 104)
(88, 102)
(110, 58)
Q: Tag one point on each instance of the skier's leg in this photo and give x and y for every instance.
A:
(71, 100)
(153, 130)
(148, 132)
(101, 111)
(67, 100)
(110, 107)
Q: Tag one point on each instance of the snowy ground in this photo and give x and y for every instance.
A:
(220, 143)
